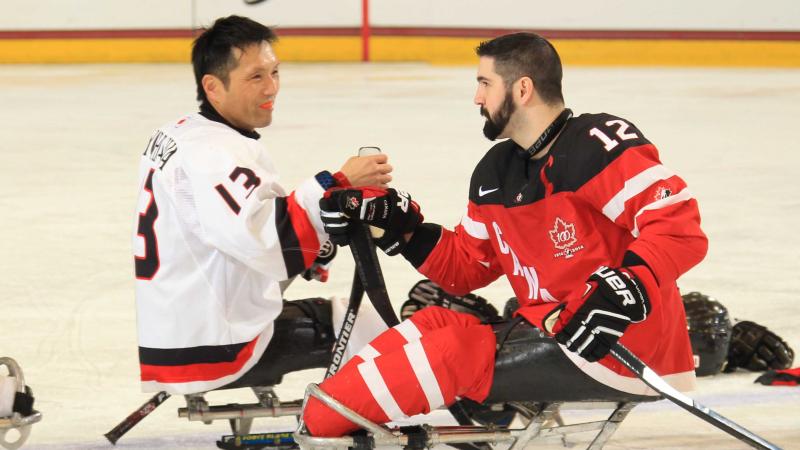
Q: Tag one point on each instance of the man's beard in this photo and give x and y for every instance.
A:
(495, 126)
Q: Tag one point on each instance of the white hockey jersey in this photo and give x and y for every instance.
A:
(214, 234)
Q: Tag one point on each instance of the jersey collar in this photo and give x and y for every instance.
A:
(208, 111)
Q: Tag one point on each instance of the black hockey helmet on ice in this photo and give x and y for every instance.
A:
(710, 330)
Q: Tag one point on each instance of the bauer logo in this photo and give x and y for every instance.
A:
(564, 239)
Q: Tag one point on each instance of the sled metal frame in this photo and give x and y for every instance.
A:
(240, 416)
(542, 421)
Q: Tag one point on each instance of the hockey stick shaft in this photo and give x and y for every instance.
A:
(638, 367)
(369, 270)
(371, 281)
(136, 417)
(367, 278)
(356, 294)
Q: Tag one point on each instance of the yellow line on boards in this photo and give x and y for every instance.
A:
(435, 50)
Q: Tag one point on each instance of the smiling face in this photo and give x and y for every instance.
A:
(246, 100)
(495, 100)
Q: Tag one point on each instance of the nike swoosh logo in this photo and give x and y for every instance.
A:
(481, 192)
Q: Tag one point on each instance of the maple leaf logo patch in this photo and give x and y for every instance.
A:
(563, 234)
(564, 239)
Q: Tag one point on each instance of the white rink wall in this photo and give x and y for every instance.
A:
(740, 15)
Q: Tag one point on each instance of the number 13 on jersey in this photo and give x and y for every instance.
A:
(147, 246)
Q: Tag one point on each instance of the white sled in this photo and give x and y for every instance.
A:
(16, 421)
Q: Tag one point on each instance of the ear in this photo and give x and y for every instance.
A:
(525, 90)
(213, 87)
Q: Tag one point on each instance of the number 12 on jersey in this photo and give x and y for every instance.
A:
(621, 132)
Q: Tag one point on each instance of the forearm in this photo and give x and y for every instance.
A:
(440, 255)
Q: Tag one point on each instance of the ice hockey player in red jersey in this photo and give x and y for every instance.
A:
(216, 236)
(578, 213)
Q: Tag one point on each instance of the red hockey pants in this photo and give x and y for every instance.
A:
(417, 366)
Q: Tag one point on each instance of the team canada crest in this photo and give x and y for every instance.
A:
(563, 237)
(352, 203)
(662, 193)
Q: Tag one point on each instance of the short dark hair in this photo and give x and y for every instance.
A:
(212, 51)
(526, 54)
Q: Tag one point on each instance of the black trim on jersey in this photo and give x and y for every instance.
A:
(290, 243)
(422, 242)
(632, 259)
(503, 178)
(208, 111)
(191, 355)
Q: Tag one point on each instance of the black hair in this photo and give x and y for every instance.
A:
(212, 51)
(526, 54)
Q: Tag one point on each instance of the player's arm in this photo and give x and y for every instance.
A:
(459, 261)
(243, 212)
(629, 186)
(638, 193)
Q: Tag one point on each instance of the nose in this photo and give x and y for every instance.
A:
(271, 86)
(478, 99)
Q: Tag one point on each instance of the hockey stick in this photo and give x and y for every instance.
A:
(135, 417)
(369, 270)
(356, 294)
(632, 362)
(371, 281)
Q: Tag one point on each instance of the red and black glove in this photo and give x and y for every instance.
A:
(592, 325)
(391, 214)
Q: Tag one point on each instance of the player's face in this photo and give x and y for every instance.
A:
(248, 100)
(494, 99)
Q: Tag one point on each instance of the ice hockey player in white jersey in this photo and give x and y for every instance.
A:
(215, 235)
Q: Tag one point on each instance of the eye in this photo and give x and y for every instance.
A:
(256, 77)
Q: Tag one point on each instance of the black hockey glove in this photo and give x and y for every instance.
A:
(391, 214)
(614, 299)
(427, 293)
(754, 347)
(319, 268)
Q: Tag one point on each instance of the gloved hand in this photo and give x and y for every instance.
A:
(756, 348)
(391, 214)
(319, 268)
(614, 299)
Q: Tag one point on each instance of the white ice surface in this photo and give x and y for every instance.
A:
(71, 136)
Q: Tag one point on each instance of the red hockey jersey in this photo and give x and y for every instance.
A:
(600, 196)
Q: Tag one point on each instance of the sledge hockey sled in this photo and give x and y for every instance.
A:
(18, 421)
(541, 422)
(534, 382)
(240, 416)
